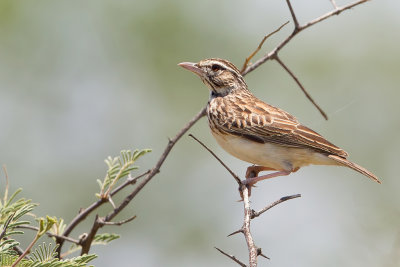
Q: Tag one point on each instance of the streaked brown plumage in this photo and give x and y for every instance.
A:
(257, 132)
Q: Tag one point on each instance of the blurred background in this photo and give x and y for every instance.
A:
(82, 80)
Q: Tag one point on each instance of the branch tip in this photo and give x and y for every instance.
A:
(219, 160)
(231, 257)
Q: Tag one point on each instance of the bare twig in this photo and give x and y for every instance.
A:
(298, 28)
(34, 228)
(246, 62)
(120, 222)
(246, 227)
(249, 214)
(334, 4)
(97, 223)
(301, 86)
(156, 169)
(295, 21)
(87, 239)
(219, 160)
(275, 51)
(85, 212)
(231, 257)
(255, 214)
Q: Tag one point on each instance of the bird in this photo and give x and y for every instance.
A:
(251, 130)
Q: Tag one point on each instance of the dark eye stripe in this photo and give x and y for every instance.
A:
(216, 67)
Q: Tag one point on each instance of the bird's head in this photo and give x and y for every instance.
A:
(221, 76)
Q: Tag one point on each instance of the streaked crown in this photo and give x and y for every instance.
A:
(221, 76)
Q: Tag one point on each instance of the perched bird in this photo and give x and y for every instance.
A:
(256, 132)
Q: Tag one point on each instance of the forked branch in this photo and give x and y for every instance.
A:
(297, 29)
(249, 214)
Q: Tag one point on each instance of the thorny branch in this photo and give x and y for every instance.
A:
(298, 28)
(219, 160)
(249, 214)
(147, 177)
(155, 170)
(232, 257)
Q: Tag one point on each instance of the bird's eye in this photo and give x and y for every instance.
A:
(216, 67)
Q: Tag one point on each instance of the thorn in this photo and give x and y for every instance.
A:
(236, 232)
(259, 253)
(290, 197)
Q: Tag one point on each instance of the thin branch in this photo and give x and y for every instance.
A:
(97, 223)
(34, 228)
(246, 62)
(246, 227)
(275, 51)
(129, 181)
(255, 214)
(295, 21)
(85, 212)
(156, 169)
(231, 257)
(332, 13)
(334, 4)
(87, 239)
(220, 161)
(301, 86)
(120, 222)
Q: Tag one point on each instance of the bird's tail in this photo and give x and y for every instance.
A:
(355, 167)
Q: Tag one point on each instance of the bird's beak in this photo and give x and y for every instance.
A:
(192, 67)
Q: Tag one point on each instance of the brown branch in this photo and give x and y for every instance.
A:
(87, 239)
(156, 169)
(274, 53)
(334, 4)
(301, 86)
(119, 222)
(219, 160)
(66, 238)
(232, 257)
(255, 214)
(246, 227)
(295, 21)
(247, 61)
(86, 243)
(85, 212)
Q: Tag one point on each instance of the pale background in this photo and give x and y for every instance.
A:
(81, 80)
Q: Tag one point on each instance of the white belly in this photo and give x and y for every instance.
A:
(271, 155)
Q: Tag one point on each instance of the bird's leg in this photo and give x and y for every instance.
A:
(254, 170)
(252, 173)
(250, 181)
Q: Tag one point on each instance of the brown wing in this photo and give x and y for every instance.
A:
(261, 122)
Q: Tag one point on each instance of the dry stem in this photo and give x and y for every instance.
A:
(151, 173)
